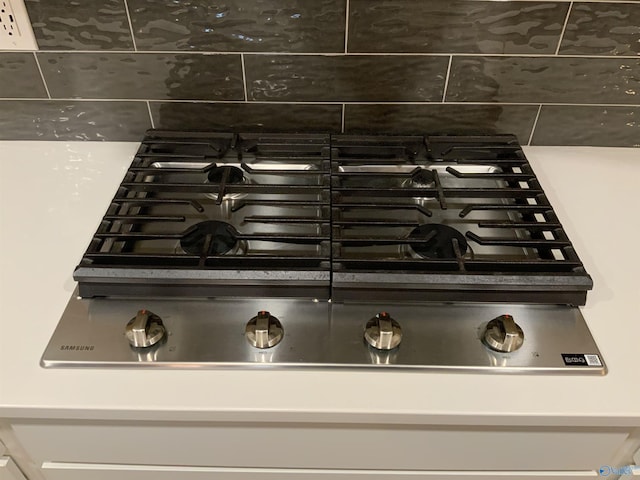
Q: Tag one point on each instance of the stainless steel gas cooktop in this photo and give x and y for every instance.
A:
(258, 250)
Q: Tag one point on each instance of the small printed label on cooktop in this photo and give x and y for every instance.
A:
(581, 360)
(77, 348)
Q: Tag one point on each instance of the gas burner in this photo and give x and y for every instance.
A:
(423, 178)
(234, 176)
(438, 241)
(221, 238)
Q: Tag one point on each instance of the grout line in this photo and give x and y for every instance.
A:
(340, 54)
(631, 2)
(44, 82)
(337, 102)
(535, 124)
(346, 31)
(150, 116)
(344, 106)
(244, 78)
(133, 37)
(564, 27)
(446, 80)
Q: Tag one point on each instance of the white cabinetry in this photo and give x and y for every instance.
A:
(62, 471)
(237, 451)
(635, 474)
(9, 470)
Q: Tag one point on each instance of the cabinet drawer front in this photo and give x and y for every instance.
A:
(311, 446)
(9, 470)
(79, 471)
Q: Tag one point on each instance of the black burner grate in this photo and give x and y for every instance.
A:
(272, 192)
(348, 217)
(479, 187)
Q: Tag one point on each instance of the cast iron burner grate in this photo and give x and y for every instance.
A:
(503, 241)
(415, 218)
(216, 214)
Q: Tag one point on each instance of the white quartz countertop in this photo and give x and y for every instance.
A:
(53, 194)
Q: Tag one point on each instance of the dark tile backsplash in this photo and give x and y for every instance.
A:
(603, 29)
(239, 25)
(445, 26)
(19, 76)
(143, 76)
(442, 119)
(544, 79)
(80, 25)
(253, 117)
(553, 71)
(588, 125)
(351, 78)
(72, 120)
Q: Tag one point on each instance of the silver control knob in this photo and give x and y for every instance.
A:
(503, 334)
(145, 329)
(264, 330)
(383, 332)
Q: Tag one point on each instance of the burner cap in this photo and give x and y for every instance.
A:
(236, 174)
(423, 178)
(223, 238)
(438, 241)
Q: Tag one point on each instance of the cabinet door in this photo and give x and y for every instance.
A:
(321, 447)
(635, 469)
(79, 471)
(9, 470)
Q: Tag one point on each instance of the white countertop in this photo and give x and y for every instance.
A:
(53, 194)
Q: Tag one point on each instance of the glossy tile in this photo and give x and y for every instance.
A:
(463, 26)
(72, 120)
(19, 76)
(617, 126)
(80, 25)
(239, 25)
(544, 79)
(143, 76)
(441, 119)
(345, 78)
(247, 116)
(603, 29)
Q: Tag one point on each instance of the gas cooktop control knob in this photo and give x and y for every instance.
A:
(503, 334)
(383, 332)
(264, 330)
(145, 329)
